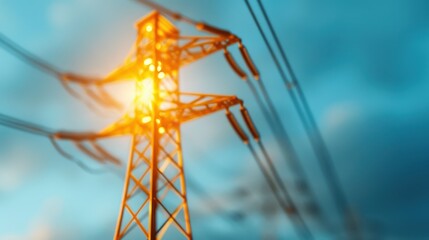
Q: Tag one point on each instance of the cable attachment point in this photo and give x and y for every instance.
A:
(211, 29)
(89, 152)
(237, 128)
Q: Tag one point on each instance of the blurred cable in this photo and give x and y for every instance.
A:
(99, 98)
(31, 128)
(289, 209)
(270, 114)
(273, 119)
(21, 53)
(26, 56)
(287, 206)
(24, 126)
(283, 140)
(307, 118)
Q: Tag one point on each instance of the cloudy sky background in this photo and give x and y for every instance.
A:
(364, 68)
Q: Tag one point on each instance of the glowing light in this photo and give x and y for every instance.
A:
(161, 130)
(144, 93)
(147, 61)
(152, 67)
(149, 28)
(146, 119)
(161, 75)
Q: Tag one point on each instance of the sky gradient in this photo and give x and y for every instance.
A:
(363, 67)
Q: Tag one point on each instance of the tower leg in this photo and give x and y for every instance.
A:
(172, 213)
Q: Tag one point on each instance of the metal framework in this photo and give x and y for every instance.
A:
(154, 203)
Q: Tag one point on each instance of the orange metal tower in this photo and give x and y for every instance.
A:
(154, 202)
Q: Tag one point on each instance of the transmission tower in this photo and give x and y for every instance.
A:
(154, 197)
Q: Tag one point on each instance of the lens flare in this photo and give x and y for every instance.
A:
(144, 92)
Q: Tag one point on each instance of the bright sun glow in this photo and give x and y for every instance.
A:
(144, 91)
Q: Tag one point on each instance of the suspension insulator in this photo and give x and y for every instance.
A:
(249, 62)
(211, 29)
(234, 123)
(106, 154)
(113, 102)
(250, 125)
(59, 149)
(233, 64)
(98, 99)
(78, 78)
(88, 152)
(75, 136)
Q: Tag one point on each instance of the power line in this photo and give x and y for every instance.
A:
(317, 142)
(273, 119)
(26, 56)
(65, 78)
(18, 124)
(278, 179)
(32, 128)
(289, 151)
(289, 209)
(287, 206)
(322, 145)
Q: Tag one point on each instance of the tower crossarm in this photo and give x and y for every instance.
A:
(199, 105)
(192, 107)
(195, 48)
(125, 71)
(127, 125)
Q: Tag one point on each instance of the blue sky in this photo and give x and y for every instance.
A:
(362, 64)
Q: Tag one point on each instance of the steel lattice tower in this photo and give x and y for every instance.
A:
(154, 200)
(156, 156)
